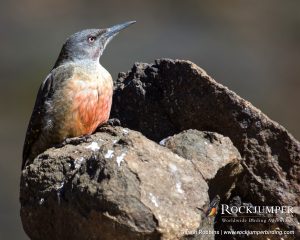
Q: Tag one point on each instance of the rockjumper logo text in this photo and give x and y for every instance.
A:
(226, 209)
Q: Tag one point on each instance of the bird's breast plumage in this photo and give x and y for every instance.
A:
(86, 97)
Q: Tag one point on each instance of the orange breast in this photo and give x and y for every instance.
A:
(91, 104)
(92, 109)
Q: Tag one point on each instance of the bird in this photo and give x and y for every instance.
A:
(76, 96)
(213, 207)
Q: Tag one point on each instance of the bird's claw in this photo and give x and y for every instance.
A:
(114, 122)
(76, 140)
(111, 122)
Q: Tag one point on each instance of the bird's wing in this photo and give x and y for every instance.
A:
(36, 121)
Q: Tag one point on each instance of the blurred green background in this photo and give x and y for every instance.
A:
(250, 46)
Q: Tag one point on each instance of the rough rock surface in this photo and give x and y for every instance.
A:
(121, 185)
(118, 185)
(213, 154)
(168, 96)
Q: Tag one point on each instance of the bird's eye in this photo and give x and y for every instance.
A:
(91, 39)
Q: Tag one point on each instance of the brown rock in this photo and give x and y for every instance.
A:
(170, 96)
(118, 185)
(214, 156)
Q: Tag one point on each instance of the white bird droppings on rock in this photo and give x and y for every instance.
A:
(78, 162)
(109, 154)
(58, 187)
(41, 201)
(153, 199)
(125, 131)
(178, 187)
(163, 141)
(93, 146)
(173, 168)
(120, 159)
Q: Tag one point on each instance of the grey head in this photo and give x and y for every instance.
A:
(88, 44)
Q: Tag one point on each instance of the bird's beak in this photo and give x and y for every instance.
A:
(114, 30)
